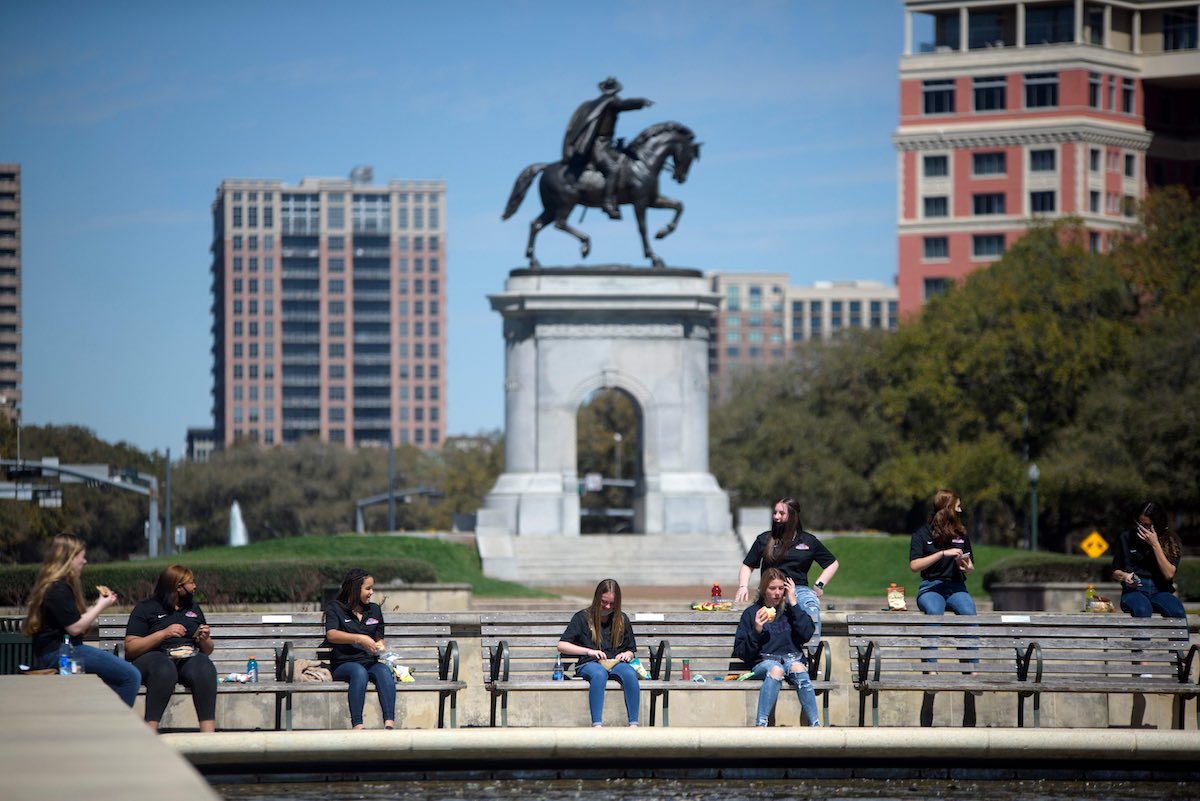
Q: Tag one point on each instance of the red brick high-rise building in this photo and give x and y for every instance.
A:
(1011, 111)
(329, 313)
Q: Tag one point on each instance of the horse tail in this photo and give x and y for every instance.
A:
(521, 187)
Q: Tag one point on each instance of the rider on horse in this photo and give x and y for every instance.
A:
(589, 138)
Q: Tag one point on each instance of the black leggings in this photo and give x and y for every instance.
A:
(160, 673)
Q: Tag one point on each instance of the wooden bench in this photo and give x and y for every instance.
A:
(15, 648)
(277, 641)
(520, 649)
(1023, 653)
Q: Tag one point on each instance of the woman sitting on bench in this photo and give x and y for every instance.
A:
(168, 641)
(354, 627)
(772, 636)
(601, 638)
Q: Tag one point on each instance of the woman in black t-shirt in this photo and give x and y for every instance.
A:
(601, 638)
(354, 627)
(57, 610)
(941, 552)
(168, 641)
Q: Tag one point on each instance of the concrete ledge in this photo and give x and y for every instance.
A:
(404, 751)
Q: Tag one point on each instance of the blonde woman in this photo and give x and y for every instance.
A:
(57, 610)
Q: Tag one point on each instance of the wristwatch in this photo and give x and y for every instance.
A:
(820, 585)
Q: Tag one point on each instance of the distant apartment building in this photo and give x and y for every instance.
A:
(200, 445)
(329, 314)
(1011, 111)
(10, 290)
(762, 317)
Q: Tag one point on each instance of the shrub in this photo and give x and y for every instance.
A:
(1048, 567)
(295, 580)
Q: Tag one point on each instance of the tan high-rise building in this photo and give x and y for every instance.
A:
(329, 313)
(10, 290)
(1018, 109)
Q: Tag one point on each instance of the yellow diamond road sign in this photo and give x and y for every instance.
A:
(1094, 545)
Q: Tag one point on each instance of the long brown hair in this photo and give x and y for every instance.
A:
(782, 540)
(618, 619)
(170, 581)
(350, 594)
(57, 566)
(1167, 537)
(770, 574)
(944, 524)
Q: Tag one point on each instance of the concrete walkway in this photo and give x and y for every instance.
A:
(71, 737)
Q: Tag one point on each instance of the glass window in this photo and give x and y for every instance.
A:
(1094, 89)
(1094, 159)
(938, 96)
(1130, 165)
(1041, 202)
(987, 245)
(936, 166)
(1127, 95)
(937, 247)
(989, 93)
(1042, 160)
(988, 163)
(1049, 24)
(1180, 28)
(937, 206)
(988, 203)
(1094, 202)
(1041, 90)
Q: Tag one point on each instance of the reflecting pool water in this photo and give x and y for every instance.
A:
(703, 790)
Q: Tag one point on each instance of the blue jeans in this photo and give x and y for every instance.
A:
(807, 600)
(796, 672)
(598, 678)
(1145, 600)
(385, 686)
(936, 596)
(114, 671)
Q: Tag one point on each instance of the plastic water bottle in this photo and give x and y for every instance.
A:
(1088, 598)
(66, 656)
(558, 669)
(252, 670)
(687, 671)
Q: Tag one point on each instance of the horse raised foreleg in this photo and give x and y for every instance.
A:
(585, 244)
(663, 202)
(640, 213)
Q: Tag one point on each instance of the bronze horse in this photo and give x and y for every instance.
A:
(561, 189)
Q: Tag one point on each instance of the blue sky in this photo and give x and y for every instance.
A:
(125, 117)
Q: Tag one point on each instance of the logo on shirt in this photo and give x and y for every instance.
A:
(370, 621)
(189, 613)
(802, 547)
(347, 620)
(959, 540)
(160, 617)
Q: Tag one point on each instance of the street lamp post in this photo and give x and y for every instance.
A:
(1034, 475)
(617, 438)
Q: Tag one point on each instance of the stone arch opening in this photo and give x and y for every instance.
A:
(610, 445)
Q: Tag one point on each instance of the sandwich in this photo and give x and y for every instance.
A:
(103, 590)
(770, 613)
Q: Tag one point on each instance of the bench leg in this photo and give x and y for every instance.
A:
(504, 710)
(927, 700)
(825, 707)
(653, 705)
(666, 696)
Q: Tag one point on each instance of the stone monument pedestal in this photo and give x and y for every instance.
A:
(570, 331)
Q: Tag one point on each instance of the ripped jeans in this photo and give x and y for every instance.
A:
(795, 669)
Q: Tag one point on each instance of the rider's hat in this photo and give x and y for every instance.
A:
(610, 85)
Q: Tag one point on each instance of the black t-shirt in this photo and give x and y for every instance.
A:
(944, 569)
(1134, 555)
(338, 618)
(58, 612)
(578, 633)
(151, 616)
(796, 561)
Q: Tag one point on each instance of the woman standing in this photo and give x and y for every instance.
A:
(601, 638)
(793, 550)
(167, 639)
(1145, 563)
(354, 627)
(772, 635)
(941, 552)
(57, 610)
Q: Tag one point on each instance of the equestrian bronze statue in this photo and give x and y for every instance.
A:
(597, 171)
